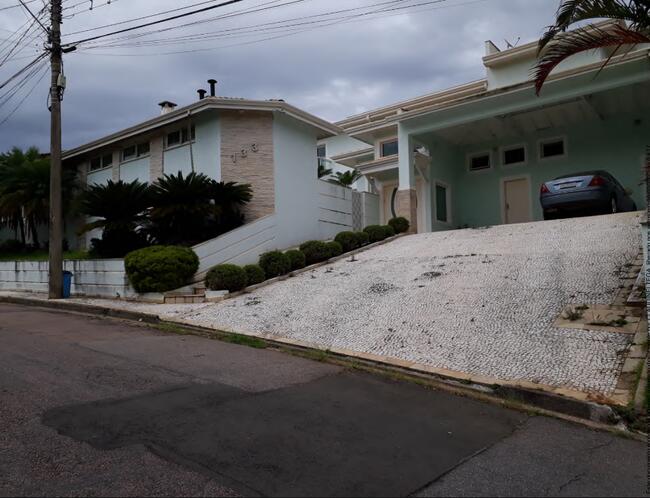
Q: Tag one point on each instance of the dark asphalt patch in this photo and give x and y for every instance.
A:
(342, 435)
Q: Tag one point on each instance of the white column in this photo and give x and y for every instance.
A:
(406, 159)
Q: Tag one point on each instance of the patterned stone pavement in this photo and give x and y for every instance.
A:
(480, 301)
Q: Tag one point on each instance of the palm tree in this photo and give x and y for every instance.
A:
(557, 44)
(323, 170)
(229, 198)
(120, 209)
(25, 191)
(347, 178)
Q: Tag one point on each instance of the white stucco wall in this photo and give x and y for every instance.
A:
(296, 182)
(138, 169)
(204, 152)
(100, 177)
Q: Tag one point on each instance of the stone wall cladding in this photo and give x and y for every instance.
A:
(156, 165)
(406, 206)
(116, 165)
(239, 131)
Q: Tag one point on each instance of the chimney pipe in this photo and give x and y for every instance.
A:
(213, 86)
(201, 93)
(166, 107)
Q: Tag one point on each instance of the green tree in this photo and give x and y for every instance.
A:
(558, 44)
(25, 191)
(347, 178)
(120, 209)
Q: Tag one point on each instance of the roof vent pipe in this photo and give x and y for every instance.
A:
(201, 93)
(213, 87)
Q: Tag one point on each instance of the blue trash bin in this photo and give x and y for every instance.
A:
(67, 284)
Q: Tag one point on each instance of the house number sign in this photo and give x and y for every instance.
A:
(243, 153)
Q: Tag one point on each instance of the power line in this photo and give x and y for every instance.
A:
(15, 6)
(205, 9)
(21, 71)
(35, 18)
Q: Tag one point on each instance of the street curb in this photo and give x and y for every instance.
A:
(597, 416)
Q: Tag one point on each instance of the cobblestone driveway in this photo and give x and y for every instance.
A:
(480, 301)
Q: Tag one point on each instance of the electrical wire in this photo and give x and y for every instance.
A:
(23, 70)
(27, 95)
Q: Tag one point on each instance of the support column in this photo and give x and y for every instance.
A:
(156, 159)
(406, 199)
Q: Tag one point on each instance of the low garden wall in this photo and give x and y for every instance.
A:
(102, 278)
(334, 209)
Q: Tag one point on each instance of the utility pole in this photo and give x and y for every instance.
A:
(56, 211)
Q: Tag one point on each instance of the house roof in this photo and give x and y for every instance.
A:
(325, 128)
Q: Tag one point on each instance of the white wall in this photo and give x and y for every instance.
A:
(296, 182)
(105, 278)
(334, 210)
(100, 177)
(342, 144)
(204, 152)
(138, 169)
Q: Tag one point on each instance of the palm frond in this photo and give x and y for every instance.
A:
(581, 40)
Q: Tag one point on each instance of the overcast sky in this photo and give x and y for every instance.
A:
(350, 66)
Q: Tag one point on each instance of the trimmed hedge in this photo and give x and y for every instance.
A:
(232, 278)
(376, 233)
(333, 249)
(275, 263)
(363, 239)
(160, 268)
(388, 231)
(315, 251)
(255, 274)
(399, 224)
(348, 240)
(297, 259)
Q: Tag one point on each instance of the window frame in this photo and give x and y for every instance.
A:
(324, 147)
(545, 141)
(474, 155)
(138, 154)
(508, 148)
(186, 135)
(388, 141)
(436, 184)
(102, 164)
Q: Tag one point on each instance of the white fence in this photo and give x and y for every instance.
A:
(90, 277)
(240, 246)
(334, 209)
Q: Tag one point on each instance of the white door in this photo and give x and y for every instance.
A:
(516, 198)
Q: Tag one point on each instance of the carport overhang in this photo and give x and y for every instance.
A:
(501, 108)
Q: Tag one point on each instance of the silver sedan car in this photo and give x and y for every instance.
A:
(590, 192)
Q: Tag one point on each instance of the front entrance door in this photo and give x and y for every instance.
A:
(516, 197)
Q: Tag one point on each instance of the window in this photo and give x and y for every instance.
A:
(321, 151)
(441, 204)
(101, 162)
(555, 147)
(389, 148)
(182, 136)
(135, 151)
(514, 155)
(480, 161)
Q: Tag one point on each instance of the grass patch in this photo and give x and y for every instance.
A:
(244, 340)
(42, 256)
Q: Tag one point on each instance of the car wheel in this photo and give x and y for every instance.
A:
(548, 216)
(613, 206)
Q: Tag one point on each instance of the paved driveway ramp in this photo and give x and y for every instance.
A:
(480, 301)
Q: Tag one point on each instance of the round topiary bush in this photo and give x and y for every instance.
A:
(232, 278)
(315, 251)
(275, 263)
(399, 224)
(160, 268)
(333, 249)
(388, 231)
(297, 259)
(255, 274)
(376, 233)
(348, 240)
(363, 239)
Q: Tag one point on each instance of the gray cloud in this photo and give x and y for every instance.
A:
(333, 72)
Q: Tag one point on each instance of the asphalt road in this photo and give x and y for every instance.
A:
(90, 406)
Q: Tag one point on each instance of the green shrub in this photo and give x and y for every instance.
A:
(315, 251)
(232, 278)
(399, 224)
(12, 246)
(255, 274)
(375, 233)
(348, 240)
(363, 239)
(297, 259)
(160, 268)
(388, 231)
(275, 263)
(333, 249)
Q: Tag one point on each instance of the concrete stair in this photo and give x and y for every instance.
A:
(190, 295)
